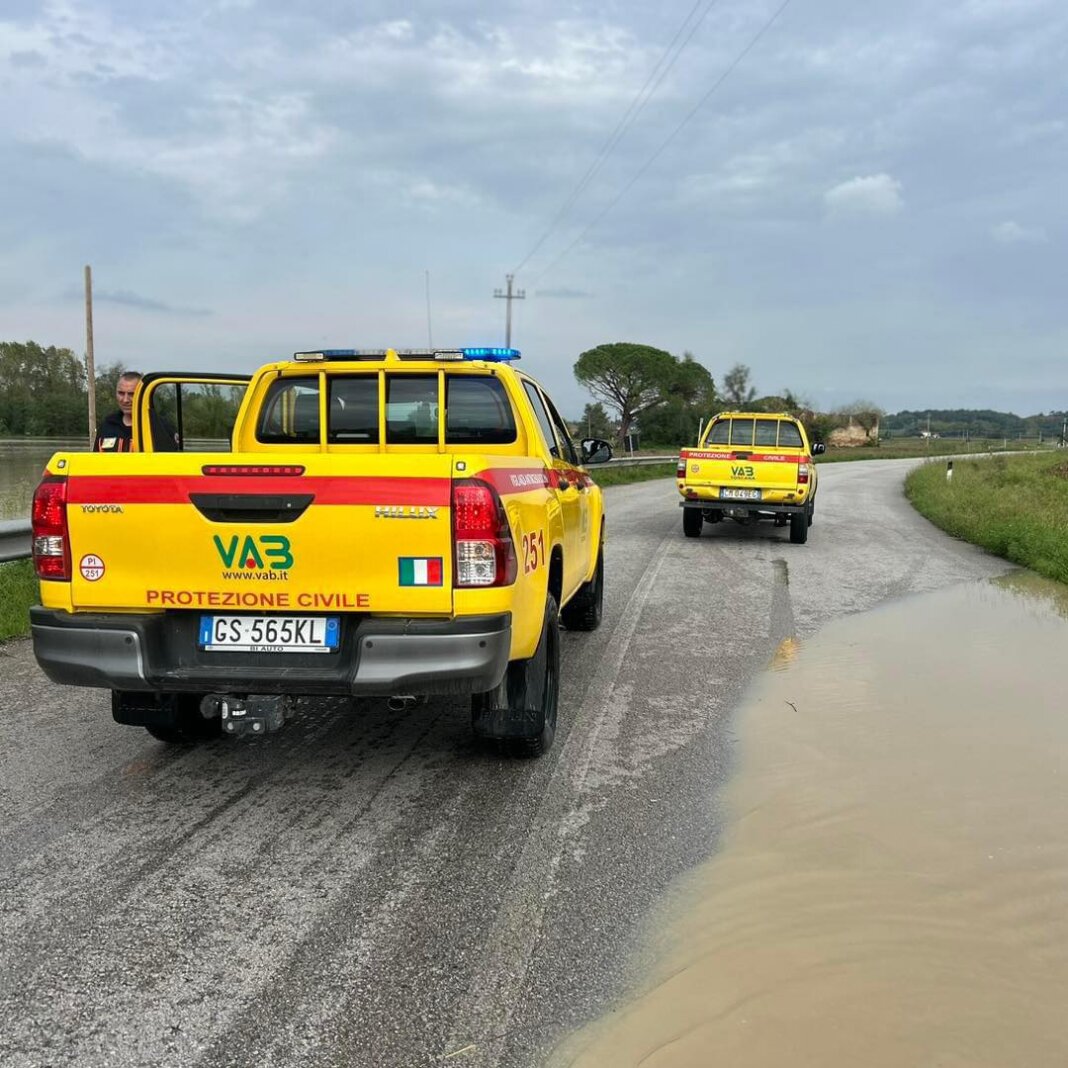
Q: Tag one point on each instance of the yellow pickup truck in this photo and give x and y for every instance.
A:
(749, 466)
(383, 523)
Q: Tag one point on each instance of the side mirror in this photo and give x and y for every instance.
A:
(596, 451)
(818, 448)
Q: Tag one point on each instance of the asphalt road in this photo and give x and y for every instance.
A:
(367, 888)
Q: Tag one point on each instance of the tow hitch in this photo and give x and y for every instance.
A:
(252, 714)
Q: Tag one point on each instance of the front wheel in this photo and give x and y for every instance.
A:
(692, 521)
(520, 714)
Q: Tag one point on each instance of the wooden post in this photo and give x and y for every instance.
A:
(90, 363)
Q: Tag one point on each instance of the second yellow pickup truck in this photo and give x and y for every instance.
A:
(386, 523)
(749, 466)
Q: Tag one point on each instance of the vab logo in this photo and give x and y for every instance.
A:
(251, 553)
(742, 471)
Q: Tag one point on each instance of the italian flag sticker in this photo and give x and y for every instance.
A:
(420, 570)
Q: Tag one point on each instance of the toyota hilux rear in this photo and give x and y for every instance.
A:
(746, 467)
(386, 524)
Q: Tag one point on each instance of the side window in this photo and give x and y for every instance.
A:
(543, 418)
(741, 431)
(412, 410)
(720, 434)
(353, 410)
(477, 411)
(562, 432)
(766, 430)
(790, 435)
(290, 412)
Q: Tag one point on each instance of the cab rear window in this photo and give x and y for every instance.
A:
(290, 412)
(747, 433)
(477, 410)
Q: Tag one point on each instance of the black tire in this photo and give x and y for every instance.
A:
(811, 511)
(584, 610)
(188, 726)
(799, 527)
(519, 716)
(692, 521)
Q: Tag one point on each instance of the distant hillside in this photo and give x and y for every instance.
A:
(974, 423)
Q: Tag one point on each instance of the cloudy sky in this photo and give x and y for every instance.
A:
(854, 199)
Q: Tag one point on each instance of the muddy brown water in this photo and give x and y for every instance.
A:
(892, 887)
(21, 465)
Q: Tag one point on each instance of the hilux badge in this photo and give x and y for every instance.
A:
(406, 511)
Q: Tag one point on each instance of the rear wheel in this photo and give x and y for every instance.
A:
(692, 521)
(584, 610)
(799, 527)
(811, 511)
(520, 714)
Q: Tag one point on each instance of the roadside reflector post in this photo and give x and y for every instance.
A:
(949, 470)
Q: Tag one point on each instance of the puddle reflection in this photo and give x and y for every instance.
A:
(892, 889)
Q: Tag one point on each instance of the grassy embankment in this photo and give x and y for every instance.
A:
(1014, 506)
(18, 590)
(916, 448)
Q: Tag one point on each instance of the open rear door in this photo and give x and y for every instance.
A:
(178, 411)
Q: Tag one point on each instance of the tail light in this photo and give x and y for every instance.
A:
(482, 540)
(802, 474)
(680, 468)
(51, 541)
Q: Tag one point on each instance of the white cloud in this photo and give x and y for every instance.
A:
(876, 194)
(1012, 233)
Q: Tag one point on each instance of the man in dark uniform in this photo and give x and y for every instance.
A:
(115, 433)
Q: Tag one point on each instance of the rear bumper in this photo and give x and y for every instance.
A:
(377, 657)
(729, 507)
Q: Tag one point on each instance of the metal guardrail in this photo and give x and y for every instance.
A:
(640, 461)
(14, 539)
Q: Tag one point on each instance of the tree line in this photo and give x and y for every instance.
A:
(639, 389)
(44, 393)
(975, 423)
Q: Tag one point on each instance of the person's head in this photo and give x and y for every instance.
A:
(125, 389)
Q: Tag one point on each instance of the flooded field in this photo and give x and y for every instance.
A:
(20, 471)
(892, 887)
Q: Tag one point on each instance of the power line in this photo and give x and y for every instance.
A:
(630, 116)
(671, 137)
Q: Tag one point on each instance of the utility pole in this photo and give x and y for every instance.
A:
(509, 296)
(90, 363)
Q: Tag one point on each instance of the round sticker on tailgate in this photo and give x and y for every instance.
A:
(92, 567)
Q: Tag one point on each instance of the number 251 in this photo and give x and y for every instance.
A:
(533, 551)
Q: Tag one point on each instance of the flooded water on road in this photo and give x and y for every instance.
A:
(892, 888)
(21, 465)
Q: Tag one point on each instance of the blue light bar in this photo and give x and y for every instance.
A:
(493, 355)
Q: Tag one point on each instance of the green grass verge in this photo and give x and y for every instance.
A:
(618, 476)
(18, 590)
(1015, 506)
(914, 448)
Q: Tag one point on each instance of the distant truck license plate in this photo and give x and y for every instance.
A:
(740, 494)
(269, 634)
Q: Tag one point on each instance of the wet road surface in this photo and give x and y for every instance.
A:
(368, 888)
